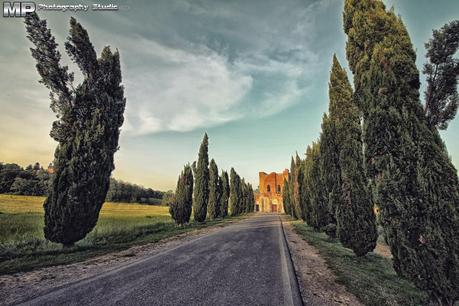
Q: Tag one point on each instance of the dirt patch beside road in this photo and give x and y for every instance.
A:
(317, 282)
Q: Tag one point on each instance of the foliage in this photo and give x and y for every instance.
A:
(201, 190)
(414, 179)
(355, 219)
(316, 210)
(442, 71)
(235, 193)
(213, 207)
(286, 198)
(225, 188)
(120, 191)
(33, 180)
(87, 129)
(180, 208)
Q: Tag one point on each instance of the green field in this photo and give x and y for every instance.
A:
(120, 225)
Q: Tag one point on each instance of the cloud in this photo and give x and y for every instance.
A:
(181, 90)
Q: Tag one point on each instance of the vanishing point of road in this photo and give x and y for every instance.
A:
(245, 263)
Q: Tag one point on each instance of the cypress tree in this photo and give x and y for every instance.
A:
(291, 189)
(356, 224)
(318, 216)
(234, 193)
(181, 206)
(329, 165)
(244, 197)
(297, 187)
(442, 71)
(225, 187)
(286, 198)
(87, 129)
(251, 198)
(415, 181)
(213, 208)
(240, 196)
(307, 205)
(201, 190)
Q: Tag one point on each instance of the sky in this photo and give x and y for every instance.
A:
(252, 74)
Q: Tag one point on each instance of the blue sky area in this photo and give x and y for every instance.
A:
(253, 74)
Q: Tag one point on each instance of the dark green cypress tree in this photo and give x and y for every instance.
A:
(291, 189)
(225, 187)
(415, 181)
(201, 190)
(251, 199)
(244, 197)
(356, 224)
(442, 71)
(307, 204)
(286, 198)
(240, 196)
(234, 193)
(180, 208)
(329, 165)
(297, 187)
(318, 216)
(213, 207)
(87, 130)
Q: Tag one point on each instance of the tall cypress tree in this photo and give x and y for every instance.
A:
(201, 190)
(244, 197)
(240, 195)
(329, 165)
(297, 187)
(225, 187)
(356, 226)
(318, 215)
(307, 204)
(180, 208)
(234, 193)
(213, 207)
(415, 181)
(286, 198)
(87, 130)
(291, 189)
(251, 198)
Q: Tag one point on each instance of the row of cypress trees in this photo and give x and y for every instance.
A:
(209, 195)
(379, 146)
(328, 189)
(415, 182)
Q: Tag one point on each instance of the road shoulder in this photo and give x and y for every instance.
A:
(317, 282)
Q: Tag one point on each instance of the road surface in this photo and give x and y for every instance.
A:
(246, 263)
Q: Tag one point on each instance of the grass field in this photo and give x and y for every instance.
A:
(120, 225)
(371, 278)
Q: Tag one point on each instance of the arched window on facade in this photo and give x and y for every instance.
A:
(278, 189)
(268, 188)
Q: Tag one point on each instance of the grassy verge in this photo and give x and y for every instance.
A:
(371, 278)
(120, 226)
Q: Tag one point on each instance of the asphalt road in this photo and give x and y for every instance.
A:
(246, 263)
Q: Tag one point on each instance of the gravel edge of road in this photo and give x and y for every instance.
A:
(297, 298)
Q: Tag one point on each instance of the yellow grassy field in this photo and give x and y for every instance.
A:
(21, 218)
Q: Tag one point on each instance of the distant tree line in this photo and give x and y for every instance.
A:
(120, 191)
(379, 146)
(33, 180)
(208, 194)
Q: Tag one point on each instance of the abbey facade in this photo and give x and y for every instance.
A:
(269, 196)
